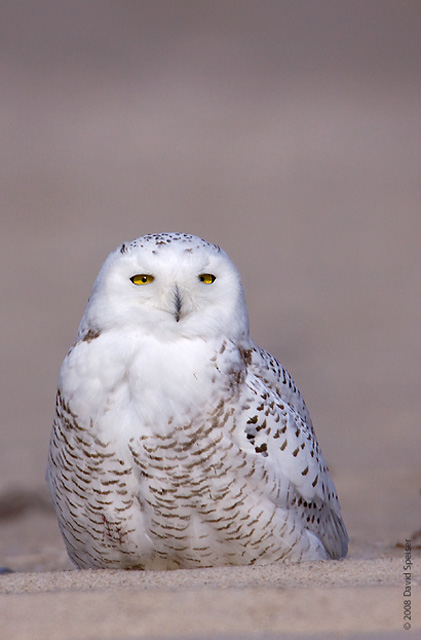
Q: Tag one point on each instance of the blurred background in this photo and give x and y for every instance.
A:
(286, 131)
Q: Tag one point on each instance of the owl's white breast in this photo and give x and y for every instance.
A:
(128, 383)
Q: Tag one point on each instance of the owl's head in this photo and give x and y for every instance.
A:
(170, 285)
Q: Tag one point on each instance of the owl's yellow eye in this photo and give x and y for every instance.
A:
(207, 278)
(142, 278)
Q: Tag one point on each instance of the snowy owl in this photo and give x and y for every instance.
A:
(177, 442)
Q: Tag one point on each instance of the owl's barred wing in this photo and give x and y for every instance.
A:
(279, 427)
(276, 377)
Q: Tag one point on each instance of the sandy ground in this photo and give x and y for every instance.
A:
(339, 598)
(288, 133)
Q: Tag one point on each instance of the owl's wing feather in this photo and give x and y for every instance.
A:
(279, 427)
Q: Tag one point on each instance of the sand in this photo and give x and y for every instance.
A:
(288, 133)
(340, 598)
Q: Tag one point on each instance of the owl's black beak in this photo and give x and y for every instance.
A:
(177, 303)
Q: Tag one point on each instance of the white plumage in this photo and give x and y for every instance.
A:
(177, 442)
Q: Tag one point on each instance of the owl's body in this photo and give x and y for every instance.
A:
(177, 442)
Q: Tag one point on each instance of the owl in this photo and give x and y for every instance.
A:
(177, 442)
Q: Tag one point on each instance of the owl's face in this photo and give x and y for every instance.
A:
(170, 285)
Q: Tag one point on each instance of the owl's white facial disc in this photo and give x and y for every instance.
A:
(170, 285)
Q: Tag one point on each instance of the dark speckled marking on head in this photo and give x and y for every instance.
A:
(161, 239)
